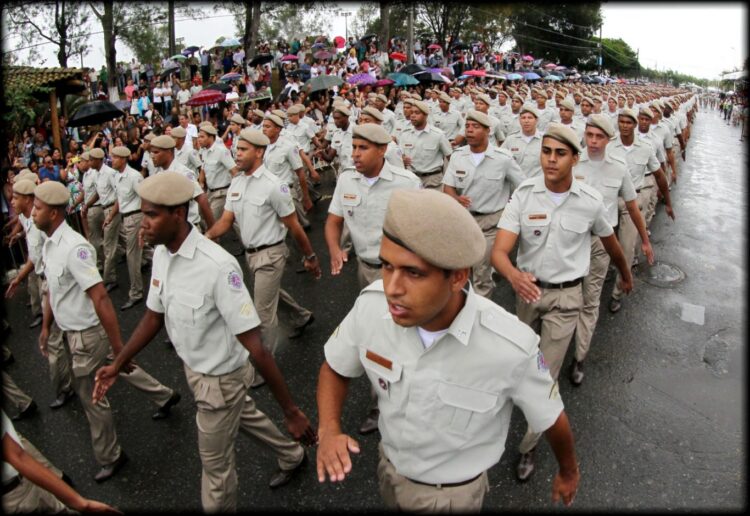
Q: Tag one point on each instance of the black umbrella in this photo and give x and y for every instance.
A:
(413, 68)
(430, 77)
(368, 37)
(323, 82)
(219, 86)
(123, 104)
(169, 71)
(261, 59)
(459, 46)
(94, 113)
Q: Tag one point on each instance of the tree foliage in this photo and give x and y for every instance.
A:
(64, 24)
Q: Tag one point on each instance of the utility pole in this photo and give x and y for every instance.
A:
(346, 15)
(410, 37)
(638, 62)
(170, 14)
(600, 49)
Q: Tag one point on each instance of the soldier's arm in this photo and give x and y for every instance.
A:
(221, 226)
(295, 228)
(661, 182)
(333, 228)
(612, 246)
(106, 313)
(560, 438)
(205, 210)
(334, 446)
(640, 225)
(522, 282)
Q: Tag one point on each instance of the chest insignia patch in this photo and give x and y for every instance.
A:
(155, 282)
(381, 361)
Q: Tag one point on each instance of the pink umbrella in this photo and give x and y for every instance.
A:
(289, 57)
(206, 97)
(528, 58)
(550, 66)
(384, 82)
(476, 73)
(339, 42)
(434, 46)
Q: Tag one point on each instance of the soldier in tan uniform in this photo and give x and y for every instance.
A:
(93, 214)
(393, 154)
(448, 366)
(525, 145)
(198, 294)
(566, 109)
(481, 178)
(448, 120)
(425, 147)
(554, 215)
(218, 167)
(185, 154)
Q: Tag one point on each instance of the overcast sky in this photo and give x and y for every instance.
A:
(700, 39)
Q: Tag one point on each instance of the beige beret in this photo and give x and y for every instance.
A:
(563, 134)
(529, 108)
(478, 116)
(52, 193)
(85, 156)
(258, 112)
(503, 93)
(374, 113)
(567, 104)
(657, 107)
(25, 186)
(483, 97)
(255, 137)
(178, 132)
(587, 99)
(166, 189)
(27, 175)
(121, 151)
(445, 97)
(275, 119)
(96, 153)
(295, 109)
(163, 142)
(208, 128)
(382, 98)
(371, 95)
(518, 97)
(416, 96)
(372, 133)
(601, 122)
(150, 136)
(279, 113)
(422, 106)
(343, 109)
(646, 112)
(435, 227)
(629, 112)
(237, 119)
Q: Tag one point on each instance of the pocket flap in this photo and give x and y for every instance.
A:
(194, 301)
(574, 224)
(611, 181)
(537, 219)
(256, 201)
(373, 364)
(466, 397)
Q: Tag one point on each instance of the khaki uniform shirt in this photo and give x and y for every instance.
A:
(282, 159)
(445, 410)
(303, 133)
(393, 155)
(217, 164)
(555, 241)
(399, 127)
(579, 128)
(34, 242)
(259, 201)
(663, 131)
(105, 185)
(546, 116)
(656, 142)
(188, 157)
(205, 304)
(489, 184)
(341, 142)
(363, 206)
(427, 148)
(641, 158)
(611, 179)
(148, 163)
(194, 216)
(450, 123)
(70, 269)
(527, 154)
(389, 120)
(89, 185)
(125, 184)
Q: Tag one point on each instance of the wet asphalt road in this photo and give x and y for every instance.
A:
(658, 421)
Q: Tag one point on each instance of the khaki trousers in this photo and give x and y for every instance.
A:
(592, 293)
(34, 287)
(266, 268)
(111, 234)
(34, 452)
(89, 350)
(28, 497)
(58, 357)
(401, 494)
(367, 274)
(556, 315)
(13, 396)
(216, 200)
(130, 227)
(628, 236)
(481, 274)
(297, 198)
(147, 384)
(650, 187)
(434, 181)
(95, 219)
(222, 410)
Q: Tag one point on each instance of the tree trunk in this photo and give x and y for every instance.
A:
(170, 14)
(385, 26)
(247, 36)
(109, 50)
(254, 29)
(62, 29)
(55, 121)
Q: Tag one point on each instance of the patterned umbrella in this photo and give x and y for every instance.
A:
(322, 54)
(231, 77)
(361, 79)
(289, 57)
(476, 73)
(206, 97)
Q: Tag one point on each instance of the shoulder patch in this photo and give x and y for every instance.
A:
(234, 280)
(510, 328)
(284, 188)
(83, 253)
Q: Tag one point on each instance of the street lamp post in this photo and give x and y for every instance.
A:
(346, 15)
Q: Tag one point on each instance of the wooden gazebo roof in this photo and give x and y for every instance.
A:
(64, 80)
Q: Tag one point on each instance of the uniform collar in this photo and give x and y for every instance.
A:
(539, 186)
(259, 172)
(57, 235)
(187, 249)
(461, 326)
(385, 172)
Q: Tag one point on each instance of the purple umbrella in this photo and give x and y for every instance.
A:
(361, 79)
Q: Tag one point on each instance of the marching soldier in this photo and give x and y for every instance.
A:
(425, 147)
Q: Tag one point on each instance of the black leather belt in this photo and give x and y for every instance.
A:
(439, 486)
(11, 484)
(425, 174)
(477, 214)
(217, 189)
(637, 190)
(372, 265)
(251, 250)
(128, 214)
(105, 206)
(564, 284)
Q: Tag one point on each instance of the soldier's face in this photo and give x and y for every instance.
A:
(44, 215)
(626, 125)
(596, 140)
(476, 134)
(270, 129)
(528, 123)
(418, 117)
(566, 115)
(160, 157)
(515, 105)
(557, 161)
(586, 108)
(248, 155)
(481, 106)
(159, 223)
(204, 141)
(21, 202)
(368, 158)
(418, 293)
(339, 119)
(644, 123)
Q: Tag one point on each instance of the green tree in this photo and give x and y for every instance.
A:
(444, 19)
(64, 24)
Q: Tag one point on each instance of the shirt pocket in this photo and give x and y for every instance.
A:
(573, 228)
(186, 308)
(255, 204)
(535, 227)
(463, 410)
(384, 374)
(56, 276)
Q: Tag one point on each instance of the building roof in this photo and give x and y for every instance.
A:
(65, 80)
